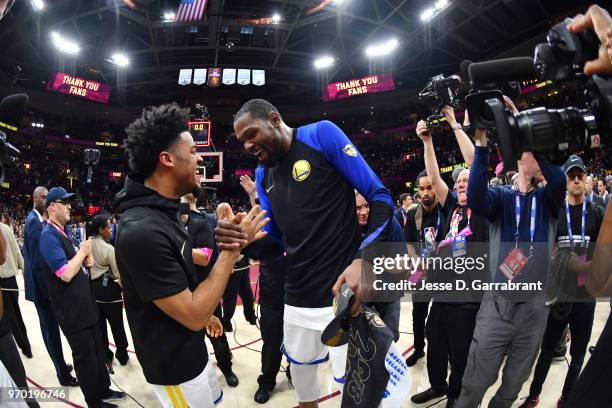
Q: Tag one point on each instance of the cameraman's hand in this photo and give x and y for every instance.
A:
(449, 114)
(466, 119)
(422, 131)
(599, 20)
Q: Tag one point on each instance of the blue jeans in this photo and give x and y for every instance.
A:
(390, 314)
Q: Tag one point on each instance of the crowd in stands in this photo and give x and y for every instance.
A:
(391, 148)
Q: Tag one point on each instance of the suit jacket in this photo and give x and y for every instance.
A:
(596, 199)
(399, 215)
(34, 275)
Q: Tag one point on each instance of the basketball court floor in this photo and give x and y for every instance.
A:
(246, 343)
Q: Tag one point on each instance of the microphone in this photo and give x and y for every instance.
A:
(502, 70)
(464, 70)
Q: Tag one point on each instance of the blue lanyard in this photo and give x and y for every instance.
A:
(531, 221)
(569, 223)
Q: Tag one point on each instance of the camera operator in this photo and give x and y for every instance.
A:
(450, 324)
(593, 386)
(521, 234)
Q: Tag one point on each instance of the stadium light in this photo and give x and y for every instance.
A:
(381, 49)
(431, 12)
(37, 5)
(324, 62)
(276, 18)
(121, 60)
(64, 45)
(169, 16)
(428, 14)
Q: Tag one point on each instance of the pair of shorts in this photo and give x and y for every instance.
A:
(203, 391)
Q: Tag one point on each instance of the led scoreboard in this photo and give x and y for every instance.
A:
(200, 130)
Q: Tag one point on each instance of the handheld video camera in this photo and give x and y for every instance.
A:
(12, 109)
(438, 92)
(551, 133)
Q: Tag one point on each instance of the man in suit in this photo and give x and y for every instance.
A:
(37, 292)
(591, 195)
(402, 212)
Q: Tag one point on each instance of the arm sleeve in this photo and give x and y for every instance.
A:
(52, 252)
(345, 158)
(112, 262)
(410, 228)
(556, 185)
(203, 235)
(271, 228)
(484, 201)
(449, 204)
(155, 274)
(31, 243)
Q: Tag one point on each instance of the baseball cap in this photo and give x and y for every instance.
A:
(574, 161)
(337, 331)
(57, 193)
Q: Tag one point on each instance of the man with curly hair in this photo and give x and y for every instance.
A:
(166, 307)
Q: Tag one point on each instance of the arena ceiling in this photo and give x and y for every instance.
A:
(467, 29)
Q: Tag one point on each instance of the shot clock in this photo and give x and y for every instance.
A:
(200, 131)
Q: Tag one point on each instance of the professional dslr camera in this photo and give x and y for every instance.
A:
(12, 109)
(552, 133)
(438, 92)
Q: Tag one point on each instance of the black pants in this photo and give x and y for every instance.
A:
(420, 308)
(89, 363)
(111, 313)
(271, 323)
(593, 386)
(51, 336)
(223, 354)
(239, 284)
(450, 328)
(9, 355)
(13, 313)
(580, 321)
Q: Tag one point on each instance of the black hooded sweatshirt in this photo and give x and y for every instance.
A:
(153, 251)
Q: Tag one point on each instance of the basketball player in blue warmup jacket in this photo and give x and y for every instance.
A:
(305, 181)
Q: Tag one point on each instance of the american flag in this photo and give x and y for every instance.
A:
(191, 10)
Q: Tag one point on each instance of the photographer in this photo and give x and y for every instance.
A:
(521, 229)
(450, 324)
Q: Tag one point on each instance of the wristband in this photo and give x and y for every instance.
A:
(206, 251)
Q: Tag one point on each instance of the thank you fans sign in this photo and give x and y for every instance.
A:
(358, 86)
(81, 87)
